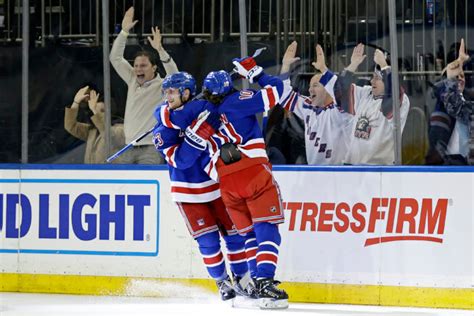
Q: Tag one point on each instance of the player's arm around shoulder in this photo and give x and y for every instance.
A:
(185, 115)
(178, 145)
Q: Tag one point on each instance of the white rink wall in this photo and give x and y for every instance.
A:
(400, 227)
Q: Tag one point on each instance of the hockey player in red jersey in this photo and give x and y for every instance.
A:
(239, 160)
(197, 196)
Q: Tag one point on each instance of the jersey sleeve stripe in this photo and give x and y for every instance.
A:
(290, 102)
(169, 155)
(233, 133)
(210, 168)
(224, 138)
(165, 118)
(294, 100)
(270, 97)
(266, 102)
(213, 147)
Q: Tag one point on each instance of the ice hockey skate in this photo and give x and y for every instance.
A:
(245, 286)
(271, 297)
(226, 289)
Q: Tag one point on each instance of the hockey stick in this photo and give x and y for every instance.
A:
(129, 145)
(139, 138)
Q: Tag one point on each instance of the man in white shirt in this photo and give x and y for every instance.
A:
(144, 90)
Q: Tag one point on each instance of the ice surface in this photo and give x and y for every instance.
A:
(15, 304)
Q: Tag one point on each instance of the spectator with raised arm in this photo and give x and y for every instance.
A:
(144, 90)
(92, 133)
(326, 125)
(372, 141)
(449, 123)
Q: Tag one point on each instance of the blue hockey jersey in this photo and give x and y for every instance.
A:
(189, 182)
(239, 122)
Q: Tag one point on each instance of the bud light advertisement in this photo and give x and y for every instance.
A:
(113, 217)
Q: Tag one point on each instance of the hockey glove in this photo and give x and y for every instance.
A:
(247, 68)
(202, 129)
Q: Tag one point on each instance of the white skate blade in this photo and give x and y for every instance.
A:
(269, 303)
(245, 302)
(229, 302)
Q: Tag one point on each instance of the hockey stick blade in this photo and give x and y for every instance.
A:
(255, 54)
(258, 52)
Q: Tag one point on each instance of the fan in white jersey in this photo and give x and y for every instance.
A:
(372, 130)
(327, 127)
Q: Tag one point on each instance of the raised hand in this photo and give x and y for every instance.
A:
(93, 99)
(454, 68)
(289, 57)
(155, 42)
(320, 63)
(128, 23)
(247, 68)
(80, 96)
(357, 57)
(379, 58)
(463, 56)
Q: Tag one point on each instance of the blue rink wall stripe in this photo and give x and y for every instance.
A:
(431, 169)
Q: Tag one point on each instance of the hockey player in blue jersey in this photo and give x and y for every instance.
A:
(197, 196)
(240, 162)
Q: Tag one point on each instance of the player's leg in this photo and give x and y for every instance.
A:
(236, 210)
(210, 249)
(203, 227)
(234, 242)
(251, 247)
(264, 203)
